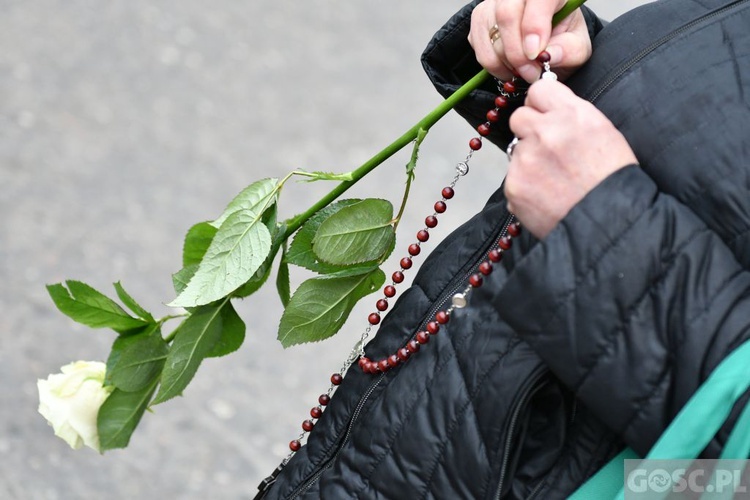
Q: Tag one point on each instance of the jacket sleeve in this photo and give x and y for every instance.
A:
(631, 312)
(449, 62)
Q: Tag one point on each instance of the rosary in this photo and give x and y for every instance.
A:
(507, 90)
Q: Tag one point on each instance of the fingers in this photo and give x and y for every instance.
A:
(525, 29)
(570, 49)
(523, 123)
(489, 55)
(542, 97)
(547, 95)
(508, 15)
(536, 25)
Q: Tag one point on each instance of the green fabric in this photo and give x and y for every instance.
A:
(738, 444)
(705, 413)
(692, 429)
(607, 481)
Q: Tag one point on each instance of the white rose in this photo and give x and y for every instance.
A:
(70, 402)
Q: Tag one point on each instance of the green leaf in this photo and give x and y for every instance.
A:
(357, 270)
(256, 197)
(232, 333)
(236, 252)
(269, 218)
(181, 278)
(355, 234)
(197, 241)
(131, 304)
(139, 362)
(301, 253)
(320, 306)
(194, 338)
(264, 271)
(85, 305)
(120, 414)
(118, 346)
(283, 286)
(256, 281)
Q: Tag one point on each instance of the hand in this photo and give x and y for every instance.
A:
(525, 30)
(566, 148)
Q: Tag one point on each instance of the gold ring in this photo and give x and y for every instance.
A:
(494, 34)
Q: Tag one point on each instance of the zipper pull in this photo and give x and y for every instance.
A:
(267, 482)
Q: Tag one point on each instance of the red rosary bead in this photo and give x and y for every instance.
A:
(295, 445)
(484, 129)
(448, 193)
(397, 277)
(374, 318)
(414, 249)
(307, 425)
(431, 221)
(336, 379)
(423, 235)
(475, 143)
(383, 365)
(543, 57)
(324, 399)
(501, 101)
(505, 243)
(381, 305)
(485, 268)
(476, 280)
(514, 229)
(423, 337)
(509, 86)
(412, 346)
(316, 412)
(393, 361)
(403, 354)
(433, 327)
(389, 291)
(493, 115)
(363, 362)
(495, 255)
(442, 317)
(440, 207)
(406, 263)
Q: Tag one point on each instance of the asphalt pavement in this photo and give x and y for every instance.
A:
(124, 122)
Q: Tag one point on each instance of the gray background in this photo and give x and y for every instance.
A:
(124, 122)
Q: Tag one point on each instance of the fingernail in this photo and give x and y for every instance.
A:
(531, 46)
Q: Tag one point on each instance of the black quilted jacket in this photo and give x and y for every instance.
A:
(592, 338)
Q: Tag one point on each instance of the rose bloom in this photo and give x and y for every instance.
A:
(70, 402)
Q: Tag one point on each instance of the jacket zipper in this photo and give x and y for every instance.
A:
(458, 284)
(534, 386)
(655, 45)
(537, 489)
(455, 285)
(316, 475)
